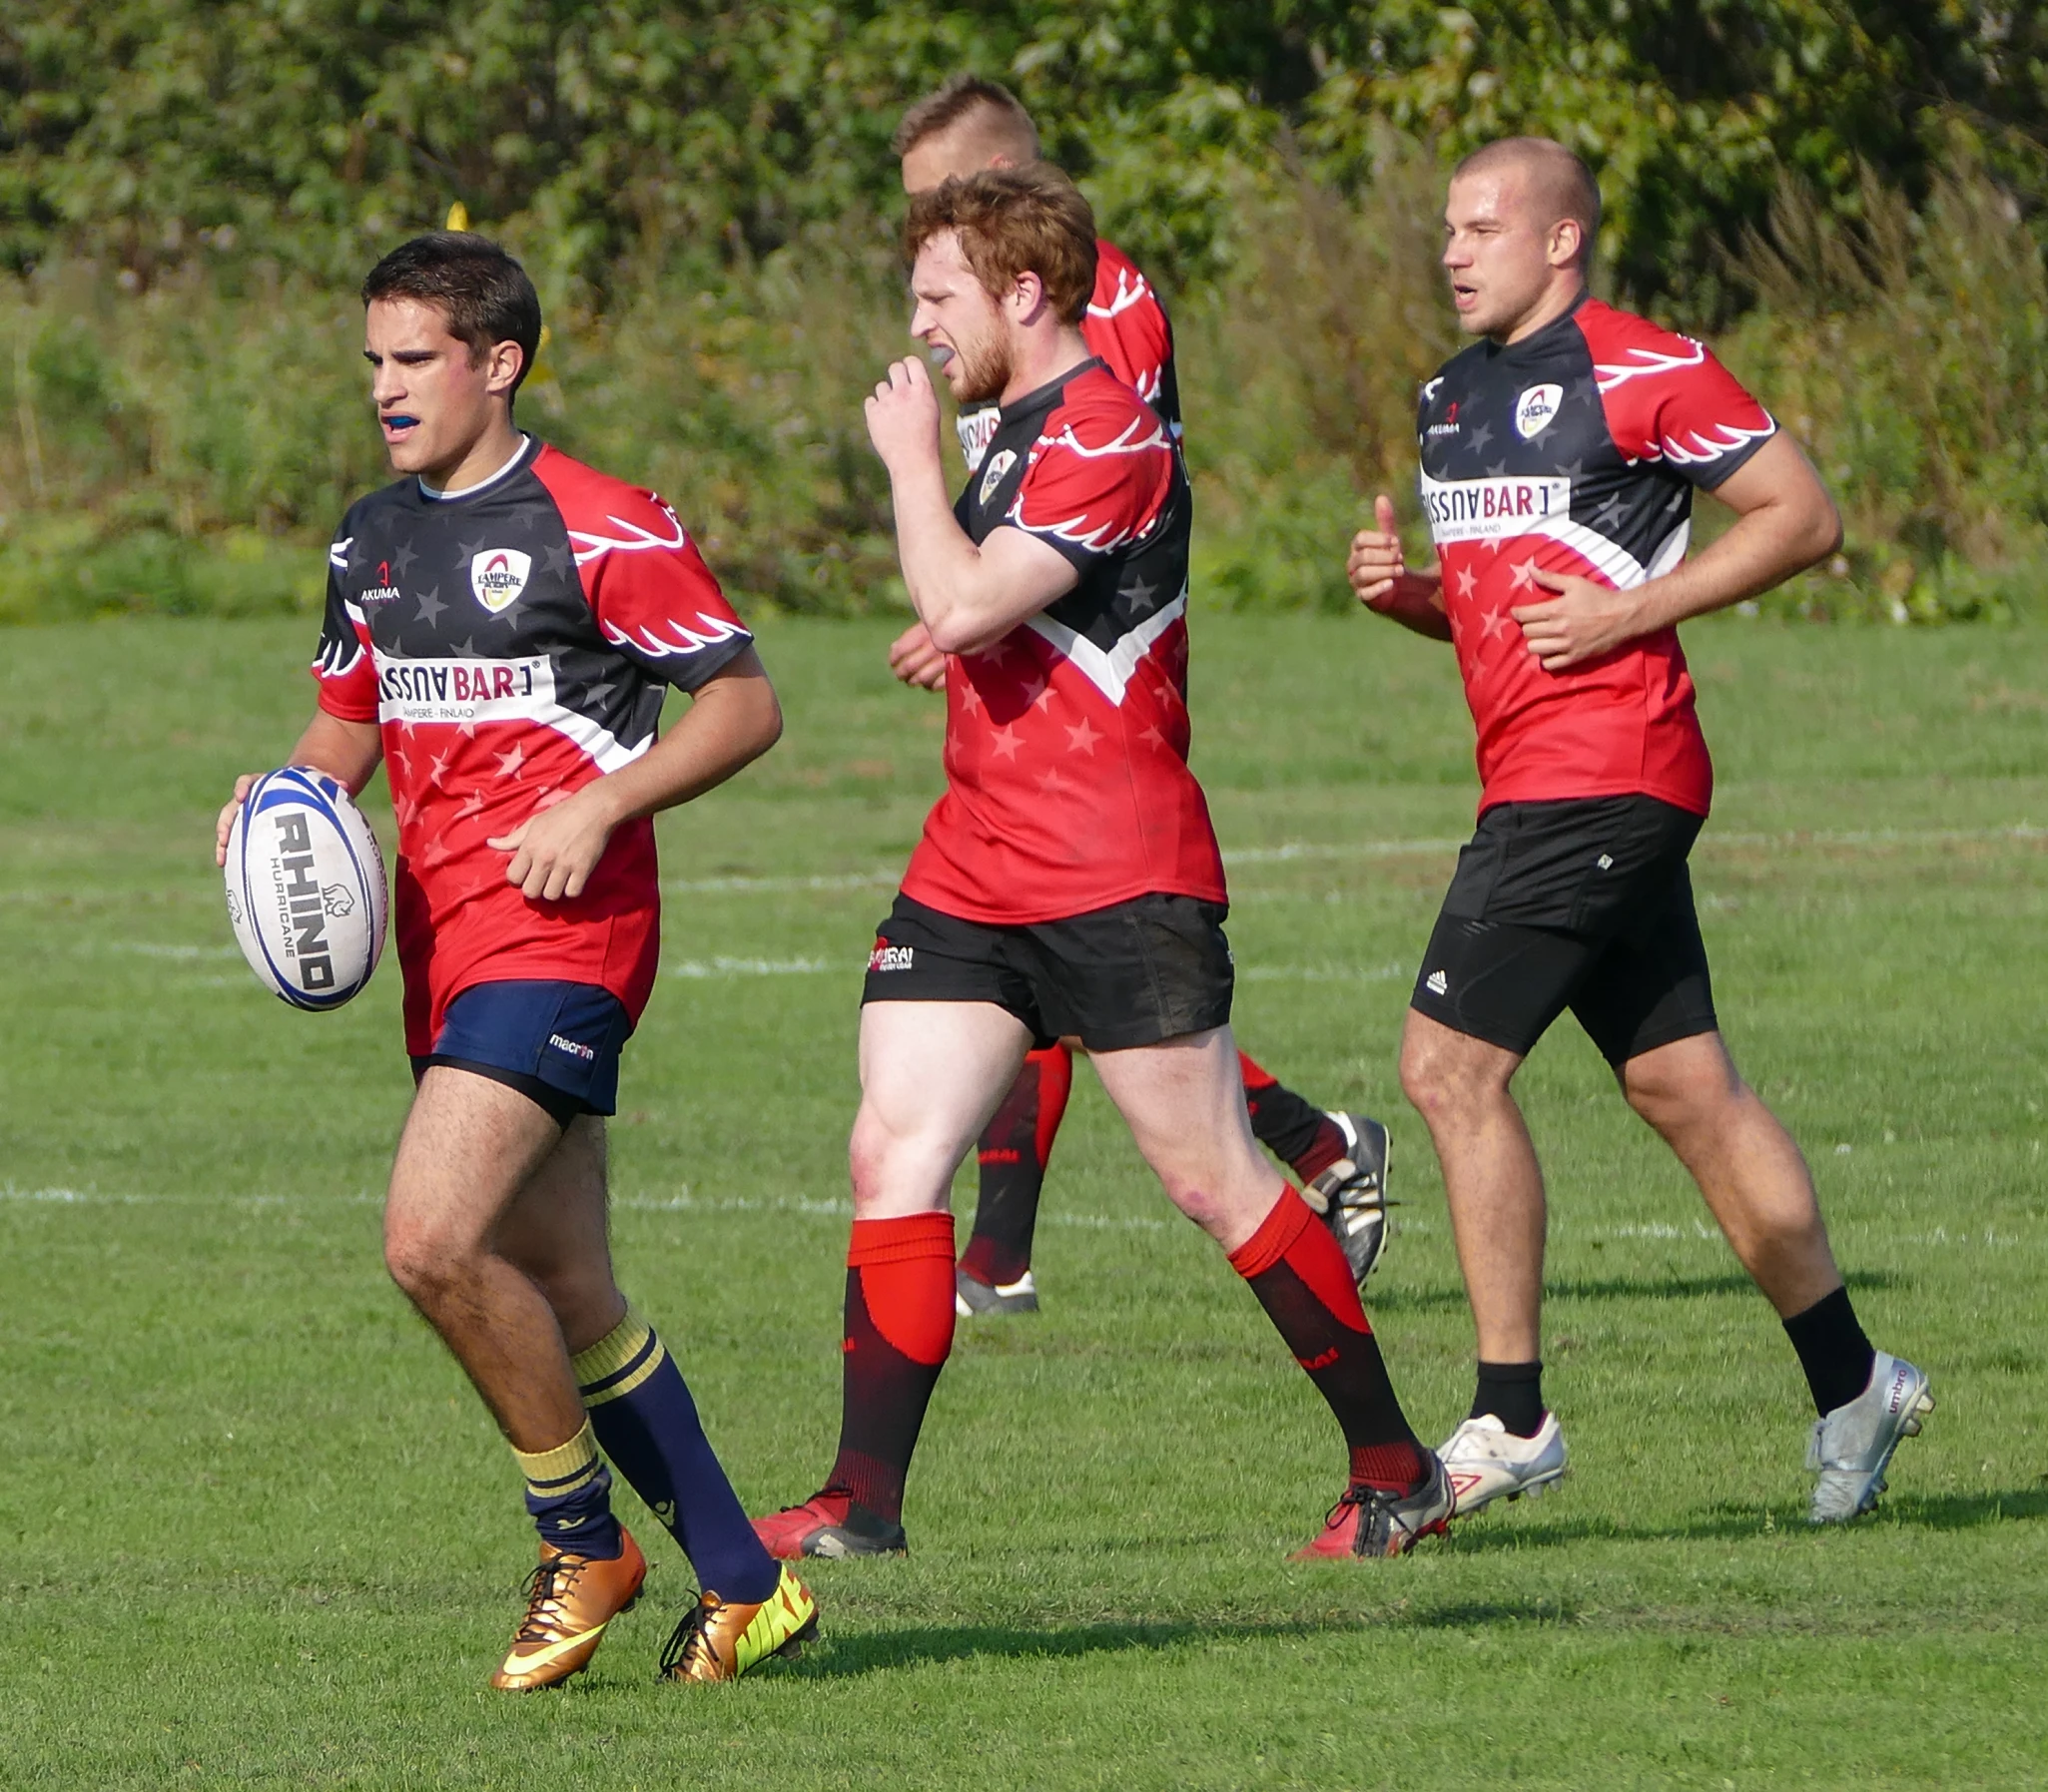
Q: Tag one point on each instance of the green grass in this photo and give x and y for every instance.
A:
(260, 1533)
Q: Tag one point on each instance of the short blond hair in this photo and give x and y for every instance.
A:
(998, 116)
(1558, 181)
(1011, 222)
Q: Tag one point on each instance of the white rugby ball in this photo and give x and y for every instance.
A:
(306, 888)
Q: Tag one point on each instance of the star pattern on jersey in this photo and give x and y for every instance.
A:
(557, 559)
(1006, 743)
(471, 805)
(1609, 515)
(509, 763)
(1492, 623)
(1082, 738)
(969, 698)
(1524, 574)
(1468, 581)
(402, 559)
(439, 769)
(430, 606)
(1480, 437)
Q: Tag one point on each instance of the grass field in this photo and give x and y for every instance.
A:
(260, 1533)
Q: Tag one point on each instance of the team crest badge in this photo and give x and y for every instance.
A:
(499, 575)
(1535, 408)
(999, 463)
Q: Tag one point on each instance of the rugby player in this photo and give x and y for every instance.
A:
(1068, 879)
(1560, 455)
(502, 625)
(967, 125)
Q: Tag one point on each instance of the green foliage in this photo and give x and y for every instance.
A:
(191, 192)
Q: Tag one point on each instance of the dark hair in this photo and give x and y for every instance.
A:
(959, 98)
(1013, 221)
(483, 292)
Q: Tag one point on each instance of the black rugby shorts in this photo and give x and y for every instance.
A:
(1583, 905)
(1135, 973)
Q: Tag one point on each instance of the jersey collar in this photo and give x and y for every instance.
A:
(458, 492)
(1533, 347)
(1048, 394)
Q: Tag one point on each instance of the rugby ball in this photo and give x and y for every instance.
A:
(306, 888)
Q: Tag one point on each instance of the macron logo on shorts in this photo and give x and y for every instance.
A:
(574, 1047)
(889, 958)
(1437, 984)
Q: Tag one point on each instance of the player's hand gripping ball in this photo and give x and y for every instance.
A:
(306, 888)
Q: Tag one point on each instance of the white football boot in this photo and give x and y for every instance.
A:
(1485, 1460)
(1852, 1446)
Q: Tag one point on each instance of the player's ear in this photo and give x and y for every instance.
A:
(1028, 295)
(501, 366)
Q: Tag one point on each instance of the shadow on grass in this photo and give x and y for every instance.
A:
(1615, 1287)
(883, 1651)
(1942, 1511)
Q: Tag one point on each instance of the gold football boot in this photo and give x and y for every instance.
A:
(721, 1639)
(569, 1601)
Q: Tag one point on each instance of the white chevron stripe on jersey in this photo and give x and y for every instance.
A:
(1108, 671)
(1610, 560)
(337, 552)
(461, 692)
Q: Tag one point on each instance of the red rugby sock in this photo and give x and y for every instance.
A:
(899, 1329)
(1301, 1279)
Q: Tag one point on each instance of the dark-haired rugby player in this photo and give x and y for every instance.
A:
(967, 125)
(1068, 881)
(502, 625)
(1560, 455)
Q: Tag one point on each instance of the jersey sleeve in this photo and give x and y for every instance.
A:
(652, 595)
(343, 669)
(1669, 400)
(1098, 480)
(1126, 326)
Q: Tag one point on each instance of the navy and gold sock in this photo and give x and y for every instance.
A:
(568, 1495)
(642, 1412)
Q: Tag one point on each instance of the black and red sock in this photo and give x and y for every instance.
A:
(1294, 1130)
(1014, 1148)
(898, 1330)
(1299, 1274)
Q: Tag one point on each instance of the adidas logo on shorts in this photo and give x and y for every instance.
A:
(1437, 984)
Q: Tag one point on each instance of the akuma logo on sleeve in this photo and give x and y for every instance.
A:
(499, 575)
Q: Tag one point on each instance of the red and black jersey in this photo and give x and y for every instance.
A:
(516, 641)
(1576, 450)
(1126, 329)
(1067, 785)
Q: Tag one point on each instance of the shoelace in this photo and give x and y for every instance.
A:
(675, 1652)
(1370, 1500)
(542, 1592)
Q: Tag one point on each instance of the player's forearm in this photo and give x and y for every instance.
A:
(1415, 601)
(349, 752)
(731, 722)
(1761, 549)
(960, 606)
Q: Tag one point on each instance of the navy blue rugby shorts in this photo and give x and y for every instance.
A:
(558, 1043)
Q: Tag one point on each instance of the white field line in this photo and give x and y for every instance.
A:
(887, 878)
(1695, 1231)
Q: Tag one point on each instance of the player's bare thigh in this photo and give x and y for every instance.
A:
(469, 1147)
(1183, 1100)
(932, 1075)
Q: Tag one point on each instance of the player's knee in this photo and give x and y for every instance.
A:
(1441, 1082)
(428, 1261)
